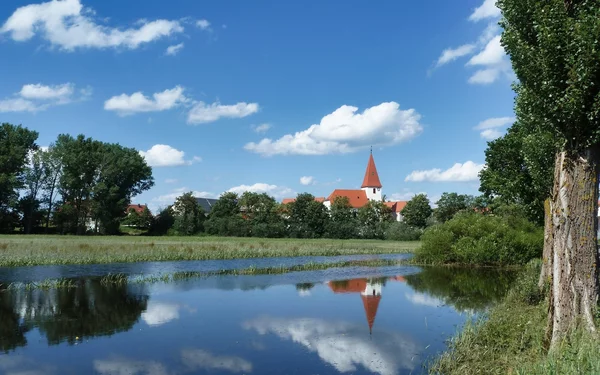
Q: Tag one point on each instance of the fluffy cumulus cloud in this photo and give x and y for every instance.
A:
(126, 366)
(66, 24)
(137, 102)
(492, 61)
(38, 97)
(174, 49)
(159, 313)
(307, 180)
(486, 10)
(345, 130)
(344, 346)
(490, 129)
(272, 190)
(451, 54)
(468, 171)
(262, 128)
(202, 113)
(166, 156)
(197, 359)
(203, 24)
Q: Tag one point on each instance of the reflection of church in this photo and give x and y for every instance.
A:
(370, 293)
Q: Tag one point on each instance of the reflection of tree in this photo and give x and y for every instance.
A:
(91, 309)
(465, 289)
(12, 332)
(305, 286)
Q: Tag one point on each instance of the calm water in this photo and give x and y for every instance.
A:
(354, 321)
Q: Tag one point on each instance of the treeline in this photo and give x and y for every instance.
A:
(76, 185)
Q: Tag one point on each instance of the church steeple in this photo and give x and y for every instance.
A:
(371, 179)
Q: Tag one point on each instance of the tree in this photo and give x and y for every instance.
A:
(16, 142)
(34, 178)
(225, 218)
(373, 219)
(52, 164)
(163, 222)
(307, 217)
(189, 216)
(343, 222)
(261, 215)
(417, 211)
(553, 46)
(451, 203)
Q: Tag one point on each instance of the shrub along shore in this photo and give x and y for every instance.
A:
(52, 250)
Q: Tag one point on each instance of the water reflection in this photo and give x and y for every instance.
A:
(296, 323)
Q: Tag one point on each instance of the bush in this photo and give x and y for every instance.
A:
(473, 238)
(398, 231)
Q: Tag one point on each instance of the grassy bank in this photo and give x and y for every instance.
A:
(44, 250)
(177, 276)
(509, 340)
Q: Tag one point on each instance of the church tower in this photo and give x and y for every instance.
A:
(371, 184)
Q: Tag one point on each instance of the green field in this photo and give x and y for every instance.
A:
(20, 250)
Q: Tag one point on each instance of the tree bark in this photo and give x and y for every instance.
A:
(574, 292)
(546, 272)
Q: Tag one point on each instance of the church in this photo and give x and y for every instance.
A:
(370, 190)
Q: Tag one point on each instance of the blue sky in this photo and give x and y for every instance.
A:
(256, 95)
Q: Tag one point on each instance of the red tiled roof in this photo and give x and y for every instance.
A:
(351, 286)
(357, 198)
(371, 303)
(371, 177)
(396, 207)
(291, 200)
(139, 208)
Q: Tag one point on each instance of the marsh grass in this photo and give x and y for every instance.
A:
(121, 279)
(508, 340)
(19, 250)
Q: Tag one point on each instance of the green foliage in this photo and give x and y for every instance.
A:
(189, 216)
(343, 223)
(473, 238)
(261, 215)
(374, 218)
(16, 142)
(225, 218)
(417, 211)
(307, 217)
(163, 222)
(399, 231)
(451, 203)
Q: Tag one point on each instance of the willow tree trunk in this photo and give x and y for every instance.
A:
(547, 255)
(574, 291)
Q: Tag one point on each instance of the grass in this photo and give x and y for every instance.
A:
(509, 339)
(121, 279)
(21, 250)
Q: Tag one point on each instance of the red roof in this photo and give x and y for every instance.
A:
(396, 207)
(351, 286)
(291, 200)
(139, 208)
(357, 198)
(371, 303)
(371, 177)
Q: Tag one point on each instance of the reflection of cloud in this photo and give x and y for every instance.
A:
(19, 365)
(304, 293)
(423, 299)
(196, 359)
(124, 366)
(159, 313)
(343, 345)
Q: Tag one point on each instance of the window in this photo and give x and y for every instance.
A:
(373, 190)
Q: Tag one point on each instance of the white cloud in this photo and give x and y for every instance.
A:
(174, 49)
(497, 122)
(485, 76)
(37, 97)
(494, 61)
(345, 131)
(203, 24)
(161, 101)
(166, 156)
(202, 113)
(486, 10)
(159, 313)
(469, 171)
(344, 346)
(491, 134)
(450, 54)
(196, 359)
(423, 299)
(124, 366)
(272, 190)
(262, 128)
(68, 25)
(307, 180)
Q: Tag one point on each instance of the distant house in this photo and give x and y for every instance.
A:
(138, 208)
(206, 204)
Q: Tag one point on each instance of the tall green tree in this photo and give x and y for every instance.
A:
(225, 218)
(451, 203)
(16, 142)
(34, 178)
(52, 165)
(417, 211)
(343, 222)
(261, 214)
(555, 54)
(307, 217)
(189, 216)
(373, 219)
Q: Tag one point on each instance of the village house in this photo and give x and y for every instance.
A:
(370, 190)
